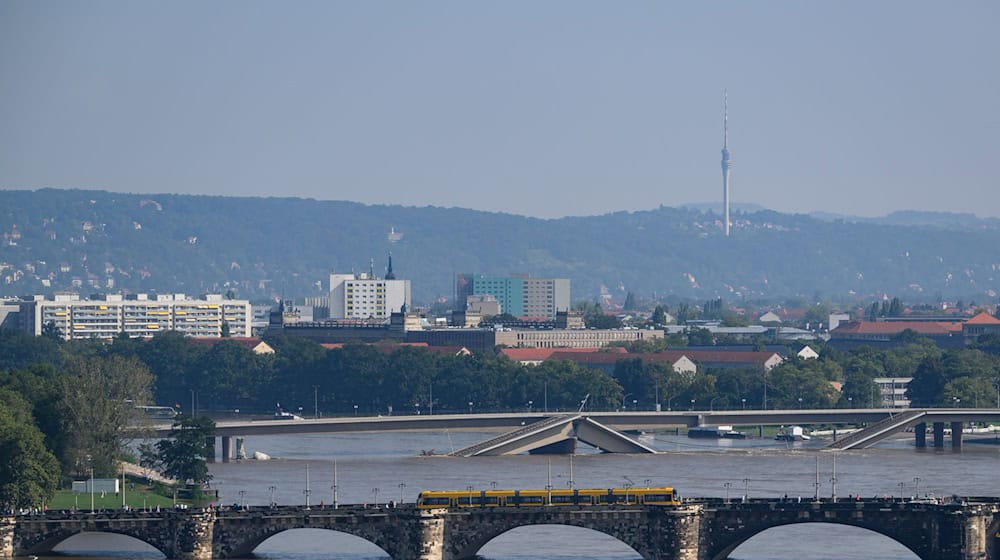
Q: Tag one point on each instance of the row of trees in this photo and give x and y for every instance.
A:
(65, 407)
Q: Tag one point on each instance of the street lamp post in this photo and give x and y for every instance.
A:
(91, 489)
(692, 404)
(243, 495)
(902, 486)
(375, 496)
(401, 486)
(628, 486)
(272, 488)
(916, 486)
(746, 489)
(727, 485)
(744, 403)
(530, 404)
(668, 402)
(307, 491)
(356, 409)
(711, 404)
(470, 407)
(315, 401)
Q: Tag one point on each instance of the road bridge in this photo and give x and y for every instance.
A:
(706, 529)
(620, 421)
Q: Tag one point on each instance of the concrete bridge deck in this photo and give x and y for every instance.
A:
(632, 420)
(700, 529)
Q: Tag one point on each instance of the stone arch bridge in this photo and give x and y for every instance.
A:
(964, 529)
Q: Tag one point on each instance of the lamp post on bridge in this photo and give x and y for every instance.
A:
(402, 485)
(271, 489)
(916, 486)
(375, 497)
(243, 495)
(727, 486)
(902, 487)
(746, 489)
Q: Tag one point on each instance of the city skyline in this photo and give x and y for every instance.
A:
(561, 109)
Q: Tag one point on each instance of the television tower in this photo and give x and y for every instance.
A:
(726, 163)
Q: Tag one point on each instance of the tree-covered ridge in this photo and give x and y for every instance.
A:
(265, 247)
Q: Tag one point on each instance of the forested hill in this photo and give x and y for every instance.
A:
(91, 241)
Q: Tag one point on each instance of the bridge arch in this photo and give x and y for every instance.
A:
(517, 541)
(652, 533)
(322, 539)
(47, 542)
(722, 550)
(237, 537)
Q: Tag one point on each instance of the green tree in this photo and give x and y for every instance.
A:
(969, 392)
(927, 386)
(98, 398)
(659, 317)
(184, 455)
(29, 473)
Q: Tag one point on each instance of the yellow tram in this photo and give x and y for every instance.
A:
(662, 496)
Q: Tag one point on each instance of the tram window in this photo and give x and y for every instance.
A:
(435, 501)
(530, 500)
(656, 498)
(563, 500)
(492, 500)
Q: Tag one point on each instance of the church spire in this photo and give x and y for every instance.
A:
(389, 275)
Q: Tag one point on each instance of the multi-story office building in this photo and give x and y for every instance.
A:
(520, 296)
(140, 315)
(365, 296)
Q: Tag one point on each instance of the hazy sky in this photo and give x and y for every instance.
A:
(548, 108)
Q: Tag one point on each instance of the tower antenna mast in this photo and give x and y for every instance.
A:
(726, 163)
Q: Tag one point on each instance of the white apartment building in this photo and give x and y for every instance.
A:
(140, 315)
(365, 296)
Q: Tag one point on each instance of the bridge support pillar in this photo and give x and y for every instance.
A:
(227, 449)
(431, 537)
(920, 435)
(956, 435)
(210, 449)
(7, 524)
(939, 434)
(193, 537)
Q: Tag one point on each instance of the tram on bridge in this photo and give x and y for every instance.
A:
(660, 496)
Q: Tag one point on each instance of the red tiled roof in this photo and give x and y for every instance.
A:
(248, 342)
(983, 318)
(895, 327)
(669, 356)
(726, 356)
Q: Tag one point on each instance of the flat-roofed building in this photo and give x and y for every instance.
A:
(518, 295)
(106, 316)
(365, 296)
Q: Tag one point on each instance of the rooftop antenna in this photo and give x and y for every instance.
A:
(726, 163)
